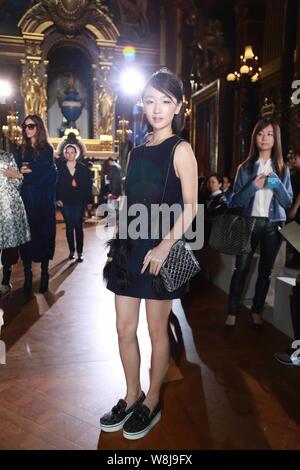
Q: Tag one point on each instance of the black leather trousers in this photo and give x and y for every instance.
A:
(266, 234)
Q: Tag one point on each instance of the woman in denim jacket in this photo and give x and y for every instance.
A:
(265, 199)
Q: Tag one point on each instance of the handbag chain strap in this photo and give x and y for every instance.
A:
(169, 167)
(167, 176)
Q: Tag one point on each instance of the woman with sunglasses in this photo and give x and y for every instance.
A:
(36, 163)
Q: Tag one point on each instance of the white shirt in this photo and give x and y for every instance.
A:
(262, 199)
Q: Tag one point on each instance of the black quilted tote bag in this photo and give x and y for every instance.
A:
(231, 233)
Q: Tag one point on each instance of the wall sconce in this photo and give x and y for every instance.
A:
(123, 132)
(187, 109)
(12, 130)
(249, 71)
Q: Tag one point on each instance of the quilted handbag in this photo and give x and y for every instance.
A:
(231, 233)
(179, 266)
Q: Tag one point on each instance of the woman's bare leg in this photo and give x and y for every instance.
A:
(158, 312)
(127, 309)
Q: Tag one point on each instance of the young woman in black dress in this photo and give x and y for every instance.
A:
(132, 273)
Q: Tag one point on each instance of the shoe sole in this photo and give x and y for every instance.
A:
(144, 432)
(115, 427)
(291, 364)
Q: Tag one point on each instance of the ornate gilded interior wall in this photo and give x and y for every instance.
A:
(90, 26)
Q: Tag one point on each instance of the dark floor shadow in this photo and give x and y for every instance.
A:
(222, 353)
(52, 298)
(54, 269)
(55, 283)
(252, 354)
(20, 314)
(21, 308)
(175, 338)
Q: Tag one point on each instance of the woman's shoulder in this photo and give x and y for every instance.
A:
(137, 150)
(6, 156)
(182, 145)
(134, 154)
(47, 151)
(49, 148)
(246, 168)
(183, 151)
(82, 168)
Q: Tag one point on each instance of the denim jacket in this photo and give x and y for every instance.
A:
(244, 190)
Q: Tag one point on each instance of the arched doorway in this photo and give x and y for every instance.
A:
(86, 38)
(65, 61)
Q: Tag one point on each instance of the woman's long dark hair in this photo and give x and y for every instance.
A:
(166, 82)
(41, 136)
(276, 153)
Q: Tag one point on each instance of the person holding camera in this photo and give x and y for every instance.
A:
(262, 189)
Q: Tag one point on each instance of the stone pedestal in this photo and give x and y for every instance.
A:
(282, 318)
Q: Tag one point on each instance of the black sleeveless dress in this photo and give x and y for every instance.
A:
(145, 182)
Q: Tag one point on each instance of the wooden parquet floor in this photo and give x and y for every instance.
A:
(62, 372)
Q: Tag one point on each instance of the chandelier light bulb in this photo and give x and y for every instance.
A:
(248, 54)
(244, 69)
(231, 77)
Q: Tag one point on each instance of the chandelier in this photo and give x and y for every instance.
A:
(12, 130)
(249, 71)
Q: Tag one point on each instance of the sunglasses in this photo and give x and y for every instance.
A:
(29, 126)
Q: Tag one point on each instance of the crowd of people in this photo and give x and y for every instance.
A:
(34, 187)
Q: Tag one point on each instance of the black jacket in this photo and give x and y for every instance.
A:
(76, 189)
(216, 205)
(115, 180)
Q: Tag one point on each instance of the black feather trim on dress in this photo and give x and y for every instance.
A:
(118, 253)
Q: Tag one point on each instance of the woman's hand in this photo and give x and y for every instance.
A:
(260, 180)
(155, 258)
(293, 212)
(59, 204)
(295, 207)
(11, 173)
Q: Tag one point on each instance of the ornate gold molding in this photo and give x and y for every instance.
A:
(11, 47)
(209, 92)
(70, 17)
(33, 86)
